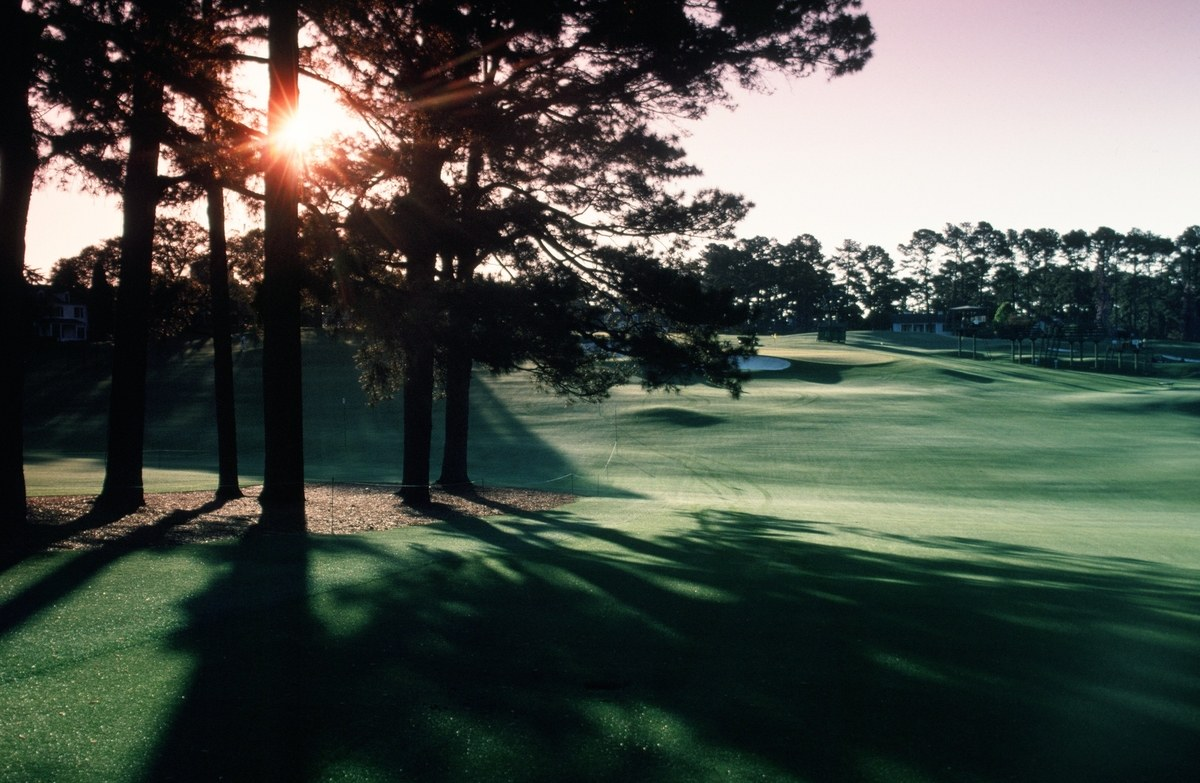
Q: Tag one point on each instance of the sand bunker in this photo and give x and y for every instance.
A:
(763, 364)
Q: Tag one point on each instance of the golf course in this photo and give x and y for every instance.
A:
(884, 562)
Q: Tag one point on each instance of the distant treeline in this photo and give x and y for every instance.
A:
(1099, 281)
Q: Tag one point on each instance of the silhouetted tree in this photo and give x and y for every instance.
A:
(20, 37)
(282, 495)
(784, 287)
(1036, 250)
(969, 253)
(175, 303)
(871, 278)
(804, 285)
(506, 121)
(118, 69)
(1144, 256)
(1102, 247)
(92, 274)
(219, 305)
(744, 269)
(920, 261)
(1185, 271)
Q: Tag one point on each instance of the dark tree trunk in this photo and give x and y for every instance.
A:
(282, 496)
(458, 414)
(459, 352)
(18, 165)
(227, 455)
(418, 423)
(100, 305)
(123, 490)
(423, 214)
(418, 380)
(218, 274)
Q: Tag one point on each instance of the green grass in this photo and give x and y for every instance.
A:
(883, 563)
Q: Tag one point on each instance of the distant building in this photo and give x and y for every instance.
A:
(931, 323)
(58, 317)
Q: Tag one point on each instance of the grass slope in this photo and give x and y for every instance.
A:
(883, 563)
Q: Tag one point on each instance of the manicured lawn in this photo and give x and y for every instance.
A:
(883, 563)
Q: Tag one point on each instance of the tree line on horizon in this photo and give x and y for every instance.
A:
(517, 199)
(1096, 282)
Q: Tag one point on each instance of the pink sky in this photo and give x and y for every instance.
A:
(1027, 114)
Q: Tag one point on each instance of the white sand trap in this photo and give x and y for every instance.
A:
(763, 364)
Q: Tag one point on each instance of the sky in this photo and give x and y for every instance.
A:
(1061, 114)
(1023, 113)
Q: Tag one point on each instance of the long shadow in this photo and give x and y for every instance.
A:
(77, 570)
(505, 451)
(959, 375)
(810, 372)
(676, 416)
(248, 713)
(546, 647)
(72, 417)
(343, 440)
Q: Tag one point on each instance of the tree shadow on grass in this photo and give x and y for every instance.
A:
(38, 536)
(248, 714)
(76, 571)
(545, 647)
(969, 377)
(676, 416)
(506, 451)
(810, 372)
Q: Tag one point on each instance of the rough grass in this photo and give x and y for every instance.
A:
(884, 563)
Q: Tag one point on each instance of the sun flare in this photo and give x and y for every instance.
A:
(298, 136)
(315, 121)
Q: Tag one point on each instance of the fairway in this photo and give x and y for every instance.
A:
(885, 562)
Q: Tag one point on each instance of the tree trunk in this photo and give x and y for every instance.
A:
(458, 414)
(282, 496)
(123, 491)
(227, 455)
(459, 349)
(18, 165)
(418, 379)
(100, 305)
(459, 364)
(426, 206)
(418, 423)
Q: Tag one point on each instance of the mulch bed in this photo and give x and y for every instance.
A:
(69, 522)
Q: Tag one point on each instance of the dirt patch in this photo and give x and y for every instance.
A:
(190, 517)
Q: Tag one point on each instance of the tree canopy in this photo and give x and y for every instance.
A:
(520, 175)
(529, 139)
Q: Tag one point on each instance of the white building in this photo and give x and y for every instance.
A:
(61, 319)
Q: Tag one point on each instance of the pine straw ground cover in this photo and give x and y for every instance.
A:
(69, 522)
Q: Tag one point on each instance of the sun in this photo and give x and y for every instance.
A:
(299, 135)
(316, 123)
